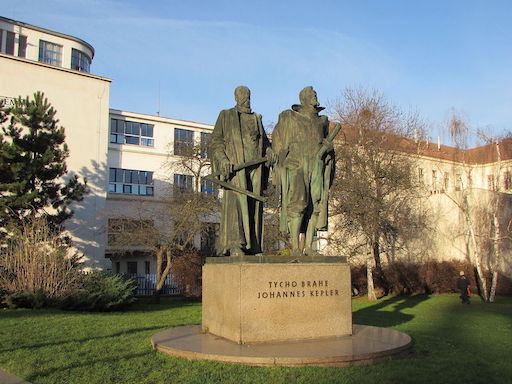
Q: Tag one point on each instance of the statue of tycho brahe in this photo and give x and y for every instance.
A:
(238, 148)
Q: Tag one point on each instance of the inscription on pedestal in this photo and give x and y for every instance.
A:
(286, 289)
(252, 303)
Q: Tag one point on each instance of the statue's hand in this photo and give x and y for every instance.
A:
(272, 157)
(226, 168)
(291, 163)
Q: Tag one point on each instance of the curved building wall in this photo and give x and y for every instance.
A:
(43, 45)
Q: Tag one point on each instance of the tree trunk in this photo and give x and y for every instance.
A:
(481, 278)
(494, 285)
(161, 274)
(378, 266)
(369, 277)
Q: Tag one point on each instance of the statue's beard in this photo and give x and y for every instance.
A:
(244, 107)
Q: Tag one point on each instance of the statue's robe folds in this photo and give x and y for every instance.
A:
(302, 177)
(242, 216)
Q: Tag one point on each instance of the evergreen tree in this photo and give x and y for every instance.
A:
(33, 172)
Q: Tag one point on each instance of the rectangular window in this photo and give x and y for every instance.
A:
(458, 182)
(507, 180)
(209, 187)
(147, 266)
(126, 232)
(183, 142)
(131, 132)
(183, 182)
(490, 182)
(434, 181)
(205, 141)
(118, 267)
(80, 61)
(22, 46)
(131, 267)
(446, 182)
(421, 176)
(209, 237)
(9, 43)
(50, 53)
(130, 182)
(1, 39)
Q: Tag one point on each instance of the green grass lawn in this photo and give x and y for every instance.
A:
(453, 344)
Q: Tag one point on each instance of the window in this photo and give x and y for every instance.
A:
(209, 237)
(9, 43)
(118, 267)
(209, 187)
(131, 132)
(22, 46)
(434, 181)
(183, 141)
(458, 182)
(147, 267)
(131, 267)
(1, 38)
(421, 176)
(131, 182)
(50, 53)
(183, 182)
(507, 180)
(446, 182)
(120, 228)
(80, 61)
(205, 141)
(490, 182)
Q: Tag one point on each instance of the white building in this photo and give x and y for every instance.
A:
(122, 155)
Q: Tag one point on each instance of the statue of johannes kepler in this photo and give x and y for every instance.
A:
(305, 169)
(238, 147)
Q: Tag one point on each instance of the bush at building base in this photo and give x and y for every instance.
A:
(430, 277)
(38, 270)
(101, 291)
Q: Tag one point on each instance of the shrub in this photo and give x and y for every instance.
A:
(101, 291)
(26, 299)
(36, 263)
(428, 277)
(186, 269)
(403, 278)
(359, 283)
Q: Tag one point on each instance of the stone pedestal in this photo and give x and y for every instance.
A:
(259, 299)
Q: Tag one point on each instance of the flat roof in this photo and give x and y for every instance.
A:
(48, 31)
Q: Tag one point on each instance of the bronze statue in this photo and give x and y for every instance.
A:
(238, 148)
(304, 170)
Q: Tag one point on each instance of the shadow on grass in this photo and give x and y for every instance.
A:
(83, 340)
(86, 363)
(150, 305)
(388, 312)
(141, 305)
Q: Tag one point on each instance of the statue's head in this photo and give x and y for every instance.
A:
(308, 97)
(243, 96)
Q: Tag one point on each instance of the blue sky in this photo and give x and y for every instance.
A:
(430, 56)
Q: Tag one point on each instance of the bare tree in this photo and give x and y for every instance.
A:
(487, 226)
(174, 226)
(374, 194)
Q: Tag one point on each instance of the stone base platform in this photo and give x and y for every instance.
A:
(367, 345)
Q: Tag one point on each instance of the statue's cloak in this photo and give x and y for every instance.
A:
(242, 217)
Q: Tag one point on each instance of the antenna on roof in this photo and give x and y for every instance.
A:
(158, 106)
